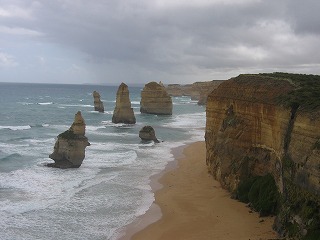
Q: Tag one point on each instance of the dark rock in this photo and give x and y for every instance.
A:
(69, 149)
(147, 133)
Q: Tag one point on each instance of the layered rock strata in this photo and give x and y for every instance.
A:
(249, 134)
(123, 113)
(98, 104)
(155, 100)
(69, 149)
(197, 91)
(147, 133)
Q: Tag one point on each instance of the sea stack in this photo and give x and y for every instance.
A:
(123, 113)
(155, 100)
(147, 133)
(69, 149)
(98, 104)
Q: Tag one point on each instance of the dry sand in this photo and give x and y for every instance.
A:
(194, 206)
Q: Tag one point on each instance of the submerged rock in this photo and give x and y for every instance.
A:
(155, 100)
(147, 133)
(69, 149)
(98, 104)
(123, 113)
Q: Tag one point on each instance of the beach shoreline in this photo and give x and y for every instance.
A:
(189, 204)
(154, 213)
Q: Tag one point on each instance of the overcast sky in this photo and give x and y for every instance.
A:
(173, 41)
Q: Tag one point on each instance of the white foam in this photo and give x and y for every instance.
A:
(26, 103)
(135, 102)
(40, 187)
(93, 128)
(77, 105)
(16, 128)
(120, 125)
(45, 103)
(195, 120)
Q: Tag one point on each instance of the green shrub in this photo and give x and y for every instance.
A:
(244, 189)
(306, 94)
(312, 235)
(261, 192)
(264, 195)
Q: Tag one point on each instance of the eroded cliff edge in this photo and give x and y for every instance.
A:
(260, 126)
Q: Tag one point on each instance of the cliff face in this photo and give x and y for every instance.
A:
(69, 149)
(249, 134)
(155, 100)
(197, 91)
(123, 113)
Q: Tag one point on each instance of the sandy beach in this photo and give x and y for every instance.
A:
(194, 206)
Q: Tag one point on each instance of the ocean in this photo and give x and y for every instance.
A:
(112, 186)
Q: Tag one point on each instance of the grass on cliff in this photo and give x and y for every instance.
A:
(261, 192)
(307, 92)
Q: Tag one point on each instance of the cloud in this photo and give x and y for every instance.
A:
(173, 41)
(12, 11)
(19, 31)
(7, 60)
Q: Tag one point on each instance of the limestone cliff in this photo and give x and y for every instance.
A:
(69, 149)
(98, 104)
(155, 100)
(123, 113)
(197, 91)
(250, 132)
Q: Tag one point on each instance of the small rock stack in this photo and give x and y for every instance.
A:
(123, 113)
(98, 104)
(69, 149)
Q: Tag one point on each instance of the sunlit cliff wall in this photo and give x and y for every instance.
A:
(248, 133)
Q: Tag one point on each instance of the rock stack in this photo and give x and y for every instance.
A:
(147, 133)
(98, 104)
(69, 149)
(155, 100)
(123, 113)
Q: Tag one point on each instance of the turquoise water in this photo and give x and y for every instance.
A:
(110, 189)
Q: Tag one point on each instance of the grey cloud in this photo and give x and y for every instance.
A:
(143, 40)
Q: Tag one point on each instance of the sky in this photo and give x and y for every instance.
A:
(138, 41)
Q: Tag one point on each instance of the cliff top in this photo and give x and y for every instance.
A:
(287, 89)
(306, 93)
(253, 88)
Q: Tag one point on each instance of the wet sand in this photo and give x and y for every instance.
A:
(194, 206)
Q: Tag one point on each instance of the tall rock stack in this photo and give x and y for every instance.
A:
(123, 113)
(98, 104)
(69, 149)
(155, 100)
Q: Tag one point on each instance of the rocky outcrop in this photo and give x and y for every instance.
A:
(204, 89)
(250, 135)
(69, 149)
(147, 133)
(123, 113)
(197, 91)
(98, 104)
(155, 100)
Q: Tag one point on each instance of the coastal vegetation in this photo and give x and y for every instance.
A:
(306, 93)
(261, 193)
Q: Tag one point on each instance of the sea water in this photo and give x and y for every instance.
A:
(112, 186)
